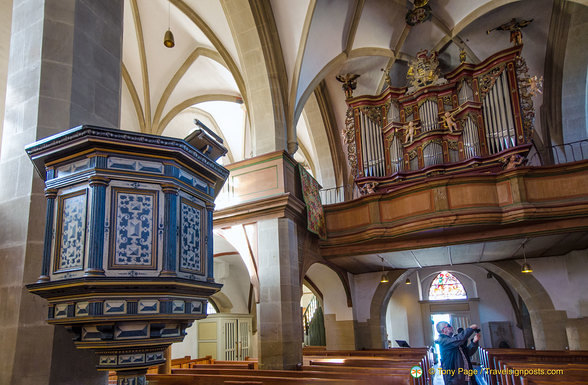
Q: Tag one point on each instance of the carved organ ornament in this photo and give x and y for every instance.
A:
(475, 116)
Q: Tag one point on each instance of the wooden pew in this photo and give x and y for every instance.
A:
(420, 355)
(251, 364)
(244, 366)
(176, 363)
(491, 357)
(309, 350)
(571, 372)
(220, 379)
(391, 365)
(381, 377)
(383, 367)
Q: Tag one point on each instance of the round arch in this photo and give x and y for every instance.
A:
(338, 314)
(547, 323)
(468, 283)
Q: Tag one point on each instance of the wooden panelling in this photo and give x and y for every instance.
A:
(264, 181)
(504, 193)
(472, 195)
(405, 206)
(351, 218)
(557, 187)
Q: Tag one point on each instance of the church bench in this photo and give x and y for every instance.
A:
(419, 356)
(311, 349)
(373, 364)
(183, 362)
(379, 377)
(395, 352)
(219, 379)
(490, 358)
(251, 364)
(364, 362)
(239, 365)
(526, 381)
(571, 372)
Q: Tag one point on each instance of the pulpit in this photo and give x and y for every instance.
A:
(128, 254)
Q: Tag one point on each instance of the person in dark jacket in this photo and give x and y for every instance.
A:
(455, 354)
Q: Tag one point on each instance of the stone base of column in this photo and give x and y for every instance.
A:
(577, 333)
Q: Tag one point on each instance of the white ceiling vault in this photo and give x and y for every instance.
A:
(317, 40)
(208, 75)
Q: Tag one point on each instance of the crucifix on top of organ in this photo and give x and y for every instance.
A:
(477, 116)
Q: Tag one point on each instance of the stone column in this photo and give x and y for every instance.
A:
(279, 316)
(577, 333)
(549, 329)
(64, 70)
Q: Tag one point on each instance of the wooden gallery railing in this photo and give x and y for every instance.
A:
(482, 116)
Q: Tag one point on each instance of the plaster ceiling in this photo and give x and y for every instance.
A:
(545, 246)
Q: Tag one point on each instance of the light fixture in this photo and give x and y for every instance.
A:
(407, 281)
(526, 268)
(168, 38)
(384, 278)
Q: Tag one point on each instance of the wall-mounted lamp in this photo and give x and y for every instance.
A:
(526, 268)
(168, 38)
(384, 278)
(407, 281)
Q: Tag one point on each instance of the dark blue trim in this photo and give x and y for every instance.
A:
(97, 221)
(50, 212)
(170, 231)
(132, 307)
(209, 245)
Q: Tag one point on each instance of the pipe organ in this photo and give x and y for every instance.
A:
(471, 118)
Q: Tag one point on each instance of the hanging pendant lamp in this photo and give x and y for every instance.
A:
(526, 268)
(168, 38)
(384, 278)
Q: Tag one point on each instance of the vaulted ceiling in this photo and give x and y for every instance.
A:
(165, 89)
(210, 75)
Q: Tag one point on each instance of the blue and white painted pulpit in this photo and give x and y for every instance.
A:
(128, 256)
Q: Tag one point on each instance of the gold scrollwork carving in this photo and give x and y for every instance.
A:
(453, 145)
(488, 79)
(437, 141)
(412, 154)
(526, 99)
(373, 113)
(423, 101)
(349, 139)
(408, 110)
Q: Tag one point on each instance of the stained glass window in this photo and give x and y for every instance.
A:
(446, 286)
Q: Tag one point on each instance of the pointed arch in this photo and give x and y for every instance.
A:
(194, 55)
(210, 35)
(191, 101)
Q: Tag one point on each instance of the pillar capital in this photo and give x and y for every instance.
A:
(96, 180)
(50, 193)
(168, 188)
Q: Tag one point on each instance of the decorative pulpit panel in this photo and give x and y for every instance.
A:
(478, 116)
(128, 257)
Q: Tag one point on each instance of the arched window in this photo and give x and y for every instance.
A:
(446, 286)
(211, 307)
